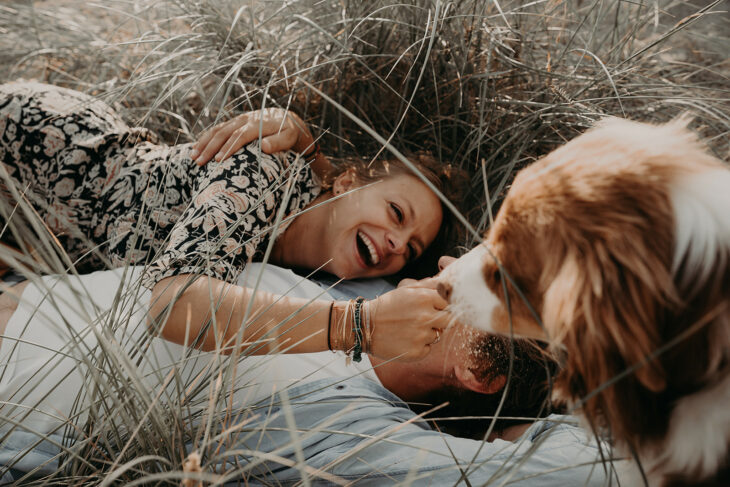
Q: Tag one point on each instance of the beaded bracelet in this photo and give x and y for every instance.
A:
(357, 328)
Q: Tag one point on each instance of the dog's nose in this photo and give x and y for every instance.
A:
(444, 289)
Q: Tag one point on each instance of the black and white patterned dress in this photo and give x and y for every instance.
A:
(113, 196)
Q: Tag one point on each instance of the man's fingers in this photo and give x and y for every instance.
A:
(212, 139)
(270, 144)
(278, 128)
(205, 138)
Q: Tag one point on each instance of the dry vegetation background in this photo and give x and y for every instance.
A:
(486, 86)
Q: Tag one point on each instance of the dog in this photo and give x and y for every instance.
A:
(615, 248)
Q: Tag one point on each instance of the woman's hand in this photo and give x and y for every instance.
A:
(280, 130)
(406, 322)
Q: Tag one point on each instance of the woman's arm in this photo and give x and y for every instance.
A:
(209, 313)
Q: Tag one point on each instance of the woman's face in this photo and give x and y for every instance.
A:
(375, 230)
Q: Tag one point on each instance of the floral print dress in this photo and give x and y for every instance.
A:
(113, 196)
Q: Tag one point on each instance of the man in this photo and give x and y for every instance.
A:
(261, 420)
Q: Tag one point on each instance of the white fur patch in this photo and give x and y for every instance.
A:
(701, 204)
(699, 433)
(471, 302)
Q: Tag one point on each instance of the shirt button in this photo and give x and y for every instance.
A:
(339, 387)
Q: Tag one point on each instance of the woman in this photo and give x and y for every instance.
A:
(108, 190)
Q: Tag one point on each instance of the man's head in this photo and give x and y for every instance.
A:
(471, 370)
(497, 366)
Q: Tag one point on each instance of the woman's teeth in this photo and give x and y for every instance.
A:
(374, 259)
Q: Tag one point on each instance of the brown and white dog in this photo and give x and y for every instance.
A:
(619, 242)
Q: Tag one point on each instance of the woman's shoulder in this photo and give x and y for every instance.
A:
(270, 168)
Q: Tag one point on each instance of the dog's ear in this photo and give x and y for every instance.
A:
(604, 309)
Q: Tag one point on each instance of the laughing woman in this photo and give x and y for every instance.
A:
(110, 191)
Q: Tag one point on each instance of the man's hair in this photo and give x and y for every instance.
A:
(529, 374)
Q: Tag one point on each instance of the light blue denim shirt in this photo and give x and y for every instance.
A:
(356, 430)
(359, 431)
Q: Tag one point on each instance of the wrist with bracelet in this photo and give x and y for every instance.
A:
(349, 329)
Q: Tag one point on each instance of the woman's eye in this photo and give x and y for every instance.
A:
(397, 212)
(411, 253)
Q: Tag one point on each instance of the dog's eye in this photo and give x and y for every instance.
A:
(493, 276)
(497, 275)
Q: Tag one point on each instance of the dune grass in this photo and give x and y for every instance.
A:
(485, 86)
(476, 83)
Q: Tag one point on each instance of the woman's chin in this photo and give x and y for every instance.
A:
(353, 270)
(339, 270)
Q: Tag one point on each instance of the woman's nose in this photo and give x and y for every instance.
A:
(396, 244)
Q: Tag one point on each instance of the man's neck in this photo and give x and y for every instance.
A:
(407, 380)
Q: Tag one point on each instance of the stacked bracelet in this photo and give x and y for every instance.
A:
(341, 325)
(357, 329)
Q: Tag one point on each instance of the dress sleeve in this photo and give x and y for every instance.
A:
(231, 215)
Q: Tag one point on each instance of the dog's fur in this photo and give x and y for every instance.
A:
(620, 242)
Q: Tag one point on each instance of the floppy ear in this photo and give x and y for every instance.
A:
(467, 378)
(606, 312)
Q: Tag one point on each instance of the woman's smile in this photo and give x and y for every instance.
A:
(384, 225)
(366, 231)
(367, 251)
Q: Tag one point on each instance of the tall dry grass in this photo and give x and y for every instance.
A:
(485, 86)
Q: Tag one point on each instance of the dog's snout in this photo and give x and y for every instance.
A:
(444, 289)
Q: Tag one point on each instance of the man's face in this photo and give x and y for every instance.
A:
(454, 354)
(453, 351)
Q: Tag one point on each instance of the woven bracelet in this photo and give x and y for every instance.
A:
(329, 327)
(357, 328)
